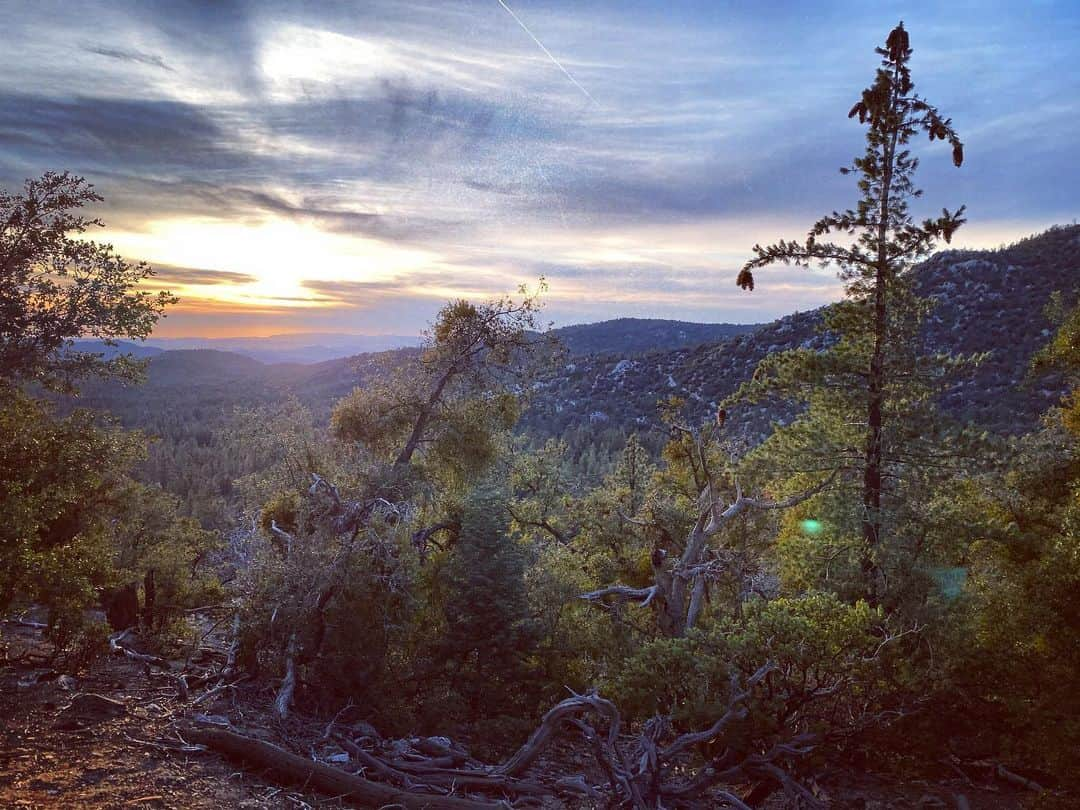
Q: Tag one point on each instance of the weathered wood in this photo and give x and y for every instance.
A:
(385, 771)
(549, 727)
(677, 595)
(283, 701)
(429, 774)
(117, 647)
(325, 778)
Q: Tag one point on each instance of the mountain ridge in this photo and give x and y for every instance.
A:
(988, 301)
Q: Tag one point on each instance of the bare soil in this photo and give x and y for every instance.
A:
(47, 761)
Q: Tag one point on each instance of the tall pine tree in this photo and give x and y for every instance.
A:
(873, 376)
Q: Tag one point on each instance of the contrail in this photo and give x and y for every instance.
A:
(550, 55)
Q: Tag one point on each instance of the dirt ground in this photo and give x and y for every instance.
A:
(48, 762)
(52, 758)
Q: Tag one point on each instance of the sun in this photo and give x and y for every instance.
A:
(278, 256)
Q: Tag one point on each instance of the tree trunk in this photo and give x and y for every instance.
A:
(417, 433)
(872, 468)
(283, 701)
(121, 607)
(149, 600)
(871, 519)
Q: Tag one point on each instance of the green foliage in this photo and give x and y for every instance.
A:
(487, 637)
(59, 479)
(76, 523)
(832, 671)
(472, 354)
(44, 270)
(148, 534)
(392, 574)
(1020, 649)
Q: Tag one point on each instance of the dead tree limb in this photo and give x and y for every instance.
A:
(325, 778)
(115, 644)
(735, 711)
(677, 594)
(288, 684)
(549, 727)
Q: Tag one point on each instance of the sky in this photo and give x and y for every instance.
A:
(350, 166)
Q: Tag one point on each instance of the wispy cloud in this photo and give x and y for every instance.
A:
(167, 274)
(126, 55)
(421, 149)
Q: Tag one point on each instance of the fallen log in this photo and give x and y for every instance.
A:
(325, 778)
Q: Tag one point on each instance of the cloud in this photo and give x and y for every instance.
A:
(129, 56)
(440, 128)
(168, 274)
(110, 133)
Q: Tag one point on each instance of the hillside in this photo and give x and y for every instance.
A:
(629, 336)
(139, 351)
(988, 301)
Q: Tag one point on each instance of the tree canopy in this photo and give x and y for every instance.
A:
(56, 287)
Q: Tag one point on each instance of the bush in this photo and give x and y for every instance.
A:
(829, 674)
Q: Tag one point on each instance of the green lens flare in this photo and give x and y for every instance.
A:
(811, 526)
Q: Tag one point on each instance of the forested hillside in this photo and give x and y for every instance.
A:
(985, 302)
(988, 302)
(630, 336)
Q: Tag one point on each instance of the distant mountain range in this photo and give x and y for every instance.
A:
(304, 347)
(627, 335)
(988, 301)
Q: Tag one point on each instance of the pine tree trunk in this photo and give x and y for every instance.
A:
(871, 522)
(872, 468)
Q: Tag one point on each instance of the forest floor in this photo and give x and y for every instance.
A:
(57, 753)
(49, 759)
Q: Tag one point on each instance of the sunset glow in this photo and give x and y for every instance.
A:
(321, 167)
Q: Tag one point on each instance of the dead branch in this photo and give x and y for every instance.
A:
(624, 593)
(288, 684)
(422, 537)
(385, 772)
(735, 711)
(549, 726)
(325, 778)
(1016, 779)
(682, 589)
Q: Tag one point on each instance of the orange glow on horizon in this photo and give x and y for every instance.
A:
(276, 276)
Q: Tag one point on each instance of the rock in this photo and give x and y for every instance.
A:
(362, 729)
(88, 709)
